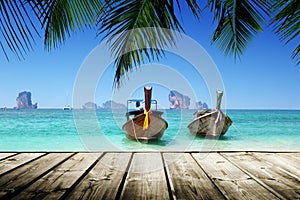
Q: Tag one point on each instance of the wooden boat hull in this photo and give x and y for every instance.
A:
(205, 124)
(134, 128)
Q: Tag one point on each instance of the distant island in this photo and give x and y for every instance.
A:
(24, 101)
(107, 105)
(178, 100)
(113, 105)
(89, 106)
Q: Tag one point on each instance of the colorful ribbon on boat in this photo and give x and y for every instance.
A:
(146, 120)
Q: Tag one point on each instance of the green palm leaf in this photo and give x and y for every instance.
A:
(62, 17)
(16, 28)
(129, 46)
(287, 22)
(238, 21)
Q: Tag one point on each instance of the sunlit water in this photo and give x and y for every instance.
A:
(79, 130)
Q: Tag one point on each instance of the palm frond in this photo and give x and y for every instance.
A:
(16, 28)
(238, 21)
(138, 31)
(287, 22)
(193, 6)
(296, 54)
(60, 18)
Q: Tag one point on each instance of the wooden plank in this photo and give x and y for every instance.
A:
(17, 160)
(14, 181)
(281, 183)
(288, 164)
(146, 178)
(232, 182)
(5, 155)
(294, 156)
(187, 179)
(56, 183)
(103, 181)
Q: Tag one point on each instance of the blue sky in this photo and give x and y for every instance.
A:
(265, 77)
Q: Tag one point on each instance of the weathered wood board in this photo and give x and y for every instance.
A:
(104, 180)
(149, 175)
(269, 174)
(231, 181)
(187, 179)
(146, 178)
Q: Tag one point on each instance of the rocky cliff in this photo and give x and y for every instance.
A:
(178, 100)
(24, 101)
(113, 105)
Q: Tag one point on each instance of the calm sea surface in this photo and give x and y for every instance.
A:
(81, 130)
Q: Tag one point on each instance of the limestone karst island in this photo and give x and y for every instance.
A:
(24, 101)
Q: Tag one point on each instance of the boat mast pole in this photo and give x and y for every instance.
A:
(218, 108)
(148, 94)
(219, 99)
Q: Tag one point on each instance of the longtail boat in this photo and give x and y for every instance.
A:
(144, 124)
(212, 123)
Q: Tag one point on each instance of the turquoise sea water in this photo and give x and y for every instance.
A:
(81, 130)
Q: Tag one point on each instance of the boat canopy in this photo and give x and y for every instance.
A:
(140, 101)
(134, 100)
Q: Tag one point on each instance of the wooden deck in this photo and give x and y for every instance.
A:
(151, 175)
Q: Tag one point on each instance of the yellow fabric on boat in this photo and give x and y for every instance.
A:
(146, 120)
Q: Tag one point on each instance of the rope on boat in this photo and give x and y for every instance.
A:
(134, 131)
(218, 119)
(240, 132)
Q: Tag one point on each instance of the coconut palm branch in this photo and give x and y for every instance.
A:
(238, 21)
(16, 28)
(287, 22)
(60, 18)
(126, 26)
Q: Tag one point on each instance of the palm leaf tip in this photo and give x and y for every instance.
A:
(60, 18)
(286, 22)
(238, 21)
(136, 32)
(135, 47)
(16, 28)
(296, 54)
